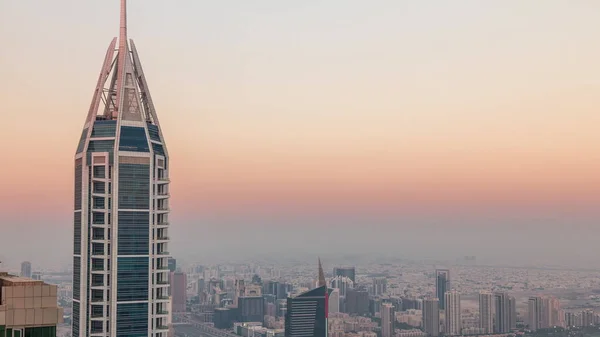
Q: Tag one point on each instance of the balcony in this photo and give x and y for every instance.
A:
(162, 209)
(162, 312)
(164, 224)
(160, 195)
(162, 297)
(162, 180)
(162, 282)
(162, 327)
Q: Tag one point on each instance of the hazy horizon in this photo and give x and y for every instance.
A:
(413, 128)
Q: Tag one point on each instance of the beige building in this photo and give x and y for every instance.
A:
(28, 307)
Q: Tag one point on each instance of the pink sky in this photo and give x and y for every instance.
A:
(494, 106)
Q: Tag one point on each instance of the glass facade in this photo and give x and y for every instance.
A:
(104, 129)
(75, 319)
(100, 146)
(307, 314)
(133, 319)
(158, 149)
(133, 139)
(76, 277)
(117, 211)
(81, 143)
(77, 233)
(78, 185)
(153, 132)
(134, 233)
(132, 279)
(134, 186)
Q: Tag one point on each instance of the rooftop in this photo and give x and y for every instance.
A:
(7, 279)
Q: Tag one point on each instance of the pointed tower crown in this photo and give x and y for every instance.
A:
(321, 275)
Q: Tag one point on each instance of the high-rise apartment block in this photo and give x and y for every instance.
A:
(512, 304)
(334, 300)
(442, 285)
(357, 302)
(26, 269)
(502, 312)
(121, 208)
(544, 313)
(486, 312)
(28, 307)
(535, 313)
(379, 286)
(452, 314)
(431, 317)
(388, 320)
(179, 291)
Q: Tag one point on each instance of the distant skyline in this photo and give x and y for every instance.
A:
(425, 120)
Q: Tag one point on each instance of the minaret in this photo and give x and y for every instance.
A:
(121, 208)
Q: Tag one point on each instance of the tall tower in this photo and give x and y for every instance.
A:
(535, 312)
(431, 317)
(502, 312)
(512, 305)
(442, 284)
(486, 318)
(452, 313)
(388, 320)
(307, 313)
(26, 269)
(120, 258)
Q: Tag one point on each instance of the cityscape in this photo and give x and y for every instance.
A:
(125, 279)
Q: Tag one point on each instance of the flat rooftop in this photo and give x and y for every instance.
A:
(7, 279)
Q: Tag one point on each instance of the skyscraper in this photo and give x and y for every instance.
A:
(551, 314)
(502, 312)
(388, 319)
(26, 269)
(379, 286)
(349, 272)
(179, 291)
(307, 313)
(120, 263)
(535, 310)
(431, 317)
(486, 319)
(512, 313)
(452, 313)
(342, 283)
(442, 284)
(172, 264)
(334, 300)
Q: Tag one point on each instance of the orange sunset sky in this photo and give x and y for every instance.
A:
(379, 107)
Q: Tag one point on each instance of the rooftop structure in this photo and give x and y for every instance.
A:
(28, 307)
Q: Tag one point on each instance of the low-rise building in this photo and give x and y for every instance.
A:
(28, 307)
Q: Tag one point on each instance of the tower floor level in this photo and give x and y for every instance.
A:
(121, 205)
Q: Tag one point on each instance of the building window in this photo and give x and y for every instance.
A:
(132, 278)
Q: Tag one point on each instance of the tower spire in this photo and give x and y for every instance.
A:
(121, 59)
(321, 275)
(123, 27)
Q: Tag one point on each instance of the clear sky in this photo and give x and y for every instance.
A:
(287, 118)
